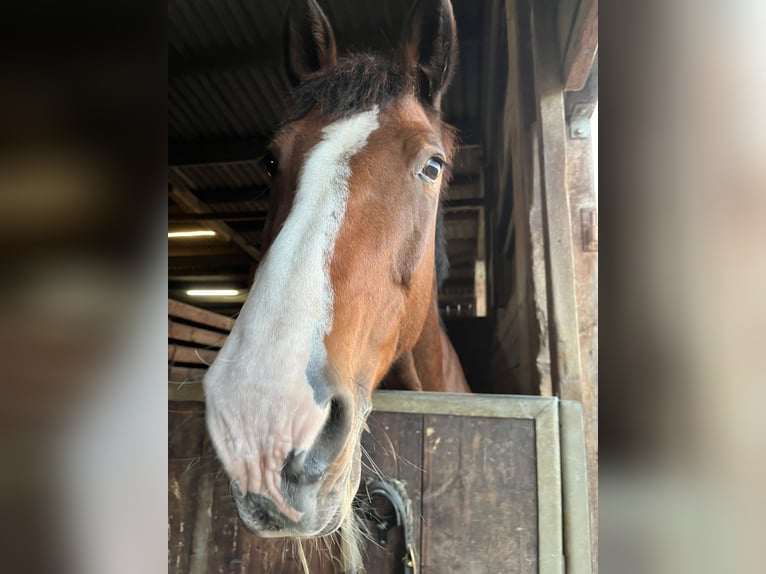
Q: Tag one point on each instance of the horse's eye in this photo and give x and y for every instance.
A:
(431, 170)
(270, 164)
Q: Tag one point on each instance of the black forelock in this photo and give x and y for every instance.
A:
(354, 84)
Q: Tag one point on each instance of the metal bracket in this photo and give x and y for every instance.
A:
(589, 223)
(579, 128)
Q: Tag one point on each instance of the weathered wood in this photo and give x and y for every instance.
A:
(192, 391)
(203, 530)
(185, 374)
(549, 505)
(479, 489)
(196, 315)
(183, 354)
(582, 196)
(538, 315)
(551, 130)
(200, 336)
(577, 542)
(579, 105)
(494, 406)
(581, 46)
(186, 431)
(492, 23)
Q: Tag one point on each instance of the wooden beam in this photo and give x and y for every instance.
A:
(198, 335)
(492, 19)
(466, 202)
(190, 355)
(209, 264)
(581, 47)
(243, 194)
(223, 216)
(187, 200)
(194, 248)
(579, 105)
(557, 224)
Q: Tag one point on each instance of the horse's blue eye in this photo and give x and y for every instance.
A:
(430, 171)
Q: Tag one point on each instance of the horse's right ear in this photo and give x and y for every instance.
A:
(309, 43)
(430, 47)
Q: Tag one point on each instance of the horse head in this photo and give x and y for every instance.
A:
(348, 278)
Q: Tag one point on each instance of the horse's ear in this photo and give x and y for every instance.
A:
(309, 43)
(430, 47)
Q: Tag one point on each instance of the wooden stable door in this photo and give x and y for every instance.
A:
(490, 490)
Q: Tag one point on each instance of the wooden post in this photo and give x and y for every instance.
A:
(551, 131)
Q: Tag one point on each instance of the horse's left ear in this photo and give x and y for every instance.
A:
(309, 42)
(430, 47)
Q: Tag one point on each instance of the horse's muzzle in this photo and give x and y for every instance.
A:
(310, 485)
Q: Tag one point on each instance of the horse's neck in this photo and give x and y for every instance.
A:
(432, 364)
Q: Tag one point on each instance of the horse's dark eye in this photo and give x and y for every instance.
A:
(430, 171)
(270, 164)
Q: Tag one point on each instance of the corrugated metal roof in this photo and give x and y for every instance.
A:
(220, 175)
(227, 94)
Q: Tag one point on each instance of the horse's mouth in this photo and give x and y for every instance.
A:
(261, 517)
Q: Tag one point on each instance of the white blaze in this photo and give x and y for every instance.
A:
(260, 403)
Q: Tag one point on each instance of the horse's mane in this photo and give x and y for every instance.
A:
(356, 83)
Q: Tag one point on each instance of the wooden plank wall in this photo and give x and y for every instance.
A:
(472, 482)
(194, 338)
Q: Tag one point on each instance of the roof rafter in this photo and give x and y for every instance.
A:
(191, 203)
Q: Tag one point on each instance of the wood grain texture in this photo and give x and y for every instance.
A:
(479, 502)
(185, 374)
(581, 190)
(196, 315)
(551, 133)
(186, 433)
(582, 45)
(197, 335)
(191, 355)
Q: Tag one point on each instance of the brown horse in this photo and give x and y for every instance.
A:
(346, 295)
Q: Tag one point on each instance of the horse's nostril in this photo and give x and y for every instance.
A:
(294, 466)
(301, 467)
(258, 512)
